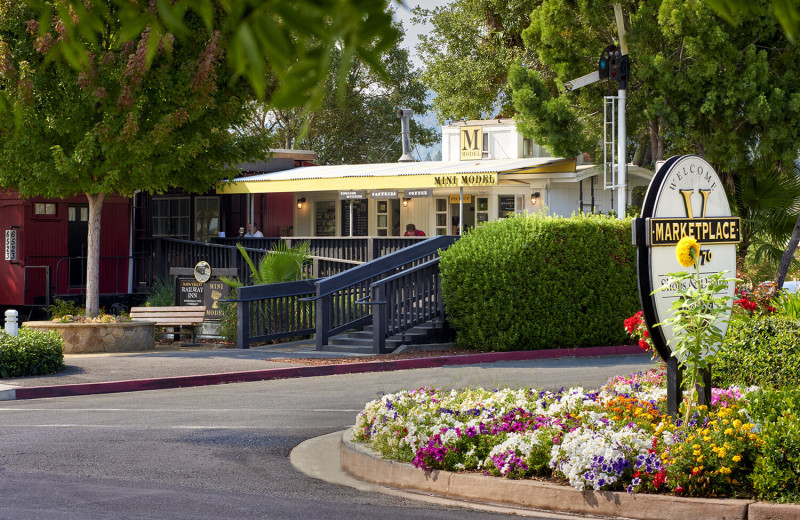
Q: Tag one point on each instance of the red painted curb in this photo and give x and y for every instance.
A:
(135, 385)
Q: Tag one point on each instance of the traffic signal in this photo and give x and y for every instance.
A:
(604, 66)
(613, 64)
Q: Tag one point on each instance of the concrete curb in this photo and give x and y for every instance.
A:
(309, 371)
(361, 462)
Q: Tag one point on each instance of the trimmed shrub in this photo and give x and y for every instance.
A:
(776, 475)
(762, 350)
(533, 282)
(32, 353)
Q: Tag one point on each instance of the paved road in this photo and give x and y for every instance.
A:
(221, 452)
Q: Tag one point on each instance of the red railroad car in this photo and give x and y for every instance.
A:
(45, 244)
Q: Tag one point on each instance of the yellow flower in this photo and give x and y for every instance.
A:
(729, 431)
(737, 458)
(687, 251)
(737, 423)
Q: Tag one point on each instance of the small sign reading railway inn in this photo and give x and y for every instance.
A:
(685, 198)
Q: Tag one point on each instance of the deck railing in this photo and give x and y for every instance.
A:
(337, 298)
(274, 311)
(358, 249)
(404, 300)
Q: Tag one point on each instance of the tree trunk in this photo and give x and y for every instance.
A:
(786, 259)
(93, 254)
(652, 129)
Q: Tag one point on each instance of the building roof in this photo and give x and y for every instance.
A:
(427, 174)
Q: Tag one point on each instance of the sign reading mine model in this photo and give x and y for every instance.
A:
(685, 198)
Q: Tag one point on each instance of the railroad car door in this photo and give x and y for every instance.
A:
(77, 242)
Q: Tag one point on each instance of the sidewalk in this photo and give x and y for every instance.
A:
(208, 364)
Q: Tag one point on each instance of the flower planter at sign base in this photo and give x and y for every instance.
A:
(80, 338)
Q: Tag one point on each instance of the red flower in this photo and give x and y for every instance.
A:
(659, 479)
(678, 489)
(643, 344)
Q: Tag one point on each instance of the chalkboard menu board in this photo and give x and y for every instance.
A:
(360, 218)
(506, 203)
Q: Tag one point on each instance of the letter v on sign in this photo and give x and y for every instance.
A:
(687, 202)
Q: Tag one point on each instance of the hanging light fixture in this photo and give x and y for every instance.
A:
(300, 202)
(534, 197)
(405, 201)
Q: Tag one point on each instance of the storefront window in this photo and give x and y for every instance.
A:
(482, 211)
(325, 218)
(441, 217)
(206, 218)
(382, 218)
(171, 217)
(505, 205)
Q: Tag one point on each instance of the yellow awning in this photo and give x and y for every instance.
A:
(428, 174)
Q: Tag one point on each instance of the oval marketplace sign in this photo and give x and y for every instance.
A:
(685, 198)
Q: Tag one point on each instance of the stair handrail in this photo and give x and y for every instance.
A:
(385, 314)
(382, 265)
(328, 321)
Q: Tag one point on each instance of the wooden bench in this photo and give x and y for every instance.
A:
(176, 316)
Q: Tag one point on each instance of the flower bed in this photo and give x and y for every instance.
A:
(615, 438)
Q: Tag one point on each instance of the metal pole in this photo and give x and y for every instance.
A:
(621, 155)
(461, 211)
(351, 218)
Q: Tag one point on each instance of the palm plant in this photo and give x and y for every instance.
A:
(767, 201)
(280, 264)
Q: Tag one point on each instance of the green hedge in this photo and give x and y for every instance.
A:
(759, 350)
(776, 475)
(534, 282)
(32, 353)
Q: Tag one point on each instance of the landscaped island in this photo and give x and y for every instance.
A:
(614, 438)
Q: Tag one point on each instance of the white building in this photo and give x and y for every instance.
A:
(488, 171)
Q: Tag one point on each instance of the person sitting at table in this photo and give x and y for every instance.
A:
(253, 231)
(412, 231)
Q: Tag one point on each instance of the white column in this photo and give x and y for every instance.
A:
(461, 211)
(622, 168)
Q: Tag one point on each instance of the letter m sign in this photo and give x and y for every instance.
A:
(471, 142)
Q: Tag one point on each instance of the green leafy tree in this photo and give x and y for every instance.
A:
(119, 124)
(786, 11)
(698, 84)
(468, 52)
(357, 121)
(292, 42)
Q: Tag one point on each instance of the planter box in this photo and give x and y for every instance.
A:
(82, 338)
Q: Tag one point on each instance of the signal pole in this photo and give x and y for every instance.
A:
(622, 135)
(614, 64)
